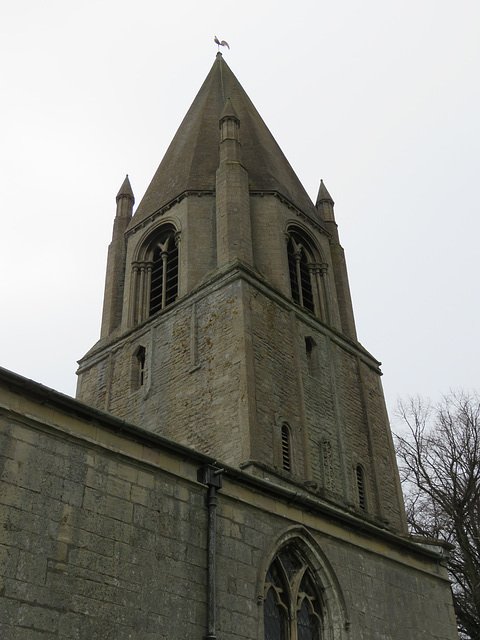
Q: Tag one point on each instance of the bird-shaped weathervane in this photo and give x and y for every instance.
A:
(223, 43)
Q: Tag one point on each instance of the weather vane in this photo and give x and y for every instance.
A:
(223, 43)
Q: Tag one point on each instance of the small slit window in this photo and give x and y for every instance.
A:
(286, 449)
(141, 365)
(360, 477)
(311, 353)
(138, 368)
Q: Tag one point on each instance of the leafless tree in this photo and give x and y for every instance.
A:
(439, 462)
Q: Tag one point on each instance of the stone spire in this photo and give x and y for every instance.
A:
(324, 207)
(125, 190)
(191, 161)
(229, 124)
(115, 276)
(325, 203)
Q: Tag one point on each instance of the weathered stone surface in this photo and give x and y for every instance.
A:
(137, 569)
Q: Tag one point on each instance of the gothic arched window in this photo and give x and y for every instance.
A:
(292, 605)
(300, 279)
(308, 274)
(154, 283)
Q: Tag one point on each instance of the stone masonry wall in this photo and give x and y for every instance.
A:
(102, 536)
(227, 367)
(334, 408)
(194, 389)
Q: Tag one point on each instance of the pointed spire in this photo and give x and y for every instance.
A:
(325, 204)
(323, 194)
(229, 124)
(191, 161)
(229, 111)
(115, 277)
(125, 190)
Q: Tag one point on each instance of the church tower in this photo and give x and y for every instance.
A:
(228, 324)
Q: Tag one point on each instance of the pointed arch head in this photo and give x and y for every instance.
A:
(155, 237)
(302, 237)
(300, 592)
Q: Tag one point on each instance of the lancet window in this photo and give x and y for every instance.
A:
(138, 368)
(293, 608)
(307, 275)
(155, 275)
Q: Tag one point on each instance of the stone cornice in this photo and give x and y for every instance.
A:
(292, 207)
(160, 212)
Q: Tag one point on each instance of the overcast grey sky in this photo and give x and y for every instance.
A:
(380, 99)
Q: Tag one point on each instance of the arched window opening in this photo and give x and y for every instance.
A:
(164, 278)
(286, 453)
(362, 498)
(293, 609)
(154, 281)
(300, 277)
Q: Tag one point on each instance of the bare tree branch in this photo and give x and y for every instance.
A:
(439, 464)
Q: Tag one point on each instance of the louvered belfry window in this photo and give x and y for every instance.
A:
(286, 452)
(292, 606)
(300, 279)
(362, 499)
(164, 278)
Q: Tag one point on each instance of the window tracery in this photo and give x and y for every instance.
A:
(300, 280)
(154, 282)
(293, 609)
(308, 275)
(164, 279)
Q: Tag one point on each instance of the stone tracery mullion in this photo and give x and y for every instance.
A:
(298, 257)
(141, 297)
(295, 592)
